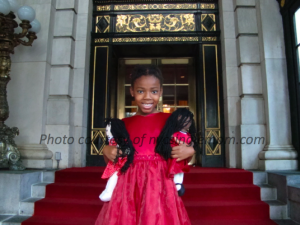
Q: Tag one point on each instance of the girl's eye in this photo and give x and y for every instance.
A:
(154, 92)
(139, 91)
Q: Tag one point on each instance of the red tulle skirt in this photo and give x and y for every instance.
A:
(144, 195)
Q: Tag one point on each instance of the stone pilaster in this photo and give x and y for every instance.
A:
(278, 153)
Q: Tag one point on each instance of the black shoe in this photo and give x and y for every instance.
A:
(181, 190)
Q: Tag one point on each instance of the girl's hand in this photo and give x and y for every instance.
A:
(109, 153)
(182, 151)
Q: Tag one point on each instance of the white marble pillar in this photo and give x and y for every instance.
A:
(278, 153)
(28, 89)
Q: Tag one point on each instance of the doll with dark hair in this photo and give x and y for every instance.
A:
(180, 125)
(117, 135)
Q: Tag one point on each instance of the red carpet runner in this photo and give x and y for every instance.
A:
(213, 197)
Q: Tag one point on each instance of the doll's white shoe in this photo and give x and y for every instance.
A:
(105, 196)
(178, 180)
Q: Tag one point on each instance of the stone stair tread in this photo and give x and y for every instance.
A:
(31, 199)
(286, 222)
(16, 219)
(42, 184)
(265, 186)
(275, 203)
(5, 217)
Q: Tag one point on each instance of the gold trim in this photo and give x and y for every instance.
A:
(101, 40)
(98, 132)
(156, 39)
(209, 132)
(154, 7)
(207, 6)
(155, 23)
(282, 3)
(107, 18)
(208, 135)
(103, 8)
(209, 38)
(213, 17)
(93, 97)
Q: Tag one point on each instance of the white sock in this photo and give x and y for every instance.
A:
(178, 179)
(105, 196)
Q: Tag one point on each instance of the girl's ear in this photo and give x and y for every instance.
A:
(131, 92)
(161, 91)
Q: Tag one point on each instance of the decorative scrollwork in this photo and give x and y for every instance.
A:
(209, 38)
(207, 6)
(156, 39)
(101, 40)
(155, 23)
(154, 6)
(103, 8)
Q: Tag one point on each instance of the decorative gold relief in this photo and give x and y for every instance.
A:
(155, 23)
(102, 24)
(208, 22)
(97, 141)
(212, 142)
(155, 39)
(101, 40)
(207, 6)
(155, 6)
(103, 8)
(209, 38)
(282, 3)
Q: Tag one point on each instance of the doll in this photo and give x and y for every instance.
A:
(181, 125)
(117, 135)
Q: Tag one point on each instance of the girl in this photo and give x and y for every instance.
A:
(180, 125)
(144, 195)
(117, 135)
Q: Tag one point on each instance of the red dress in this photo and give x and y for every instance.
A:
(182, 166)
(144, 195)
(112, 167)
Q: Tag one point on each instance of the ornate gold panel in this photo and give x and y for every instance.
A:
(212, 142)
(209, 38)
(208, 22)
(102, 24)
(103, 8)
(97, 136)
(155, 6)
(155, 39)
(101, 40)
(155, 23)
(207, 6)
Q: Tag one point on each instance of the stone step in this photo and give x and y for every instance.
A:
(27, 206)
(259, 177)
(286, 222)
(278, 210)
(267, 192)
(38, 190)
(48, 176)
(14, 220)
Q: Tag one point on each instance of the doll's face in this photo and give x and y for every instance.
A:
(108, 131)
(187, 125)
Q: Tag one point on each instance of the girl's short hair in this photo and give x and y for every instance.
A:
(146, 70)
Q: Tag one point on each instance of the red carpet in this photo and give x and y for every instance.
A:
(213, 197)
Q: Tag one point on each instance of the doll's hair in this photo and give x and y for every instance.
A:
(176, 122)
(145, 70)
(121, 137)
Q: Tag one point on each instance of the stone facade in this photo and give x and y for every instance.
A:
(48, 93)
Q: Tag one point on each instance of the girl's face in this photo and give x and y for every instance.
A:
(146, 92)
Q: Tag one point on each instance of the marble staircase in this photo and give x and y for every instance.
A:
(279, 211)
(269, 194)
(26, 206)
